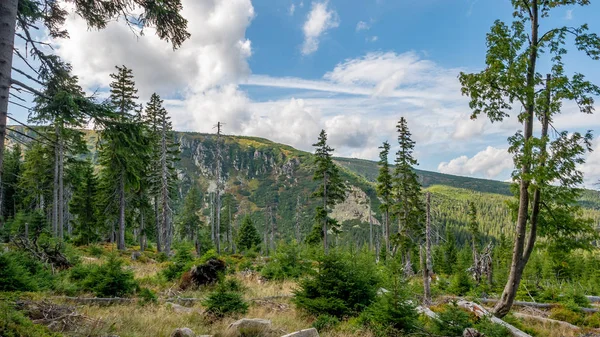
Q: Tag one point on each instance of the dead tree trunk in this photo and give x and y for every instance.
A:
(157, 225)
(121, 235)
(61, 185)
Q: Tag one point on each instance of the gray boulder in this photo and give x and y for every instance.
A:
(254, 324)
(183, 332)
(312, 332)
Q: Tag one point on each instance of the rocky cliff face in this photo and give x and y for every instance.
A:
(261, 174)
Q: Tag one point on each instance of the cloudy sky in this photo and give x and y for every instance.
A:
(285, 69)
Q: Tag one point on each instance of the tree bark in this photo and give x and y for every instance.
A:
(55, 193)
(325, 246)
(61, 186)
(142, 231)
(519, 259)
(164, 195)
(121, 234)
(8, 21)
(158, 226)
(370, 228)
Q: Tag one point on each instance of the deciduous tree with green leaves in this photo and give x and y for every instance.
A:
(546, 171)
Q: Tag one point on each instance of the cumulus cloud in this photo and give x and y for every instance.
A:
(372, 38)
(361, 25)
(490, 163)
(569, 14)
(292, 9)
(466, 128)
(216, 54)
(319, 20)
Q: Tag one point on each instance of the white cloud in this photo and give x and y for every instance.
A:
(490, 163)
(372, 38)
(569, 14)
(466, 128)
(292, 9)
(216, 53)
(361, 25)
(319, 20)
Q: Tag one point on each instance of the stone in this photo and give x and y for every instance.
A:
(179, 308)
(135, 255)
(470, 332)
(258, 324)
(183, 332)
(312, 332)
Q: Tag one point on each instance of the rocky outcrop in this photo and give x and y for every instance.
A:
(183, 332)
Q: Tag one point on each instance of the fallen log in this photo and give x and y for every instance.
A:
(537, 305)
(547, 320)
(480, 311)
(427, 312)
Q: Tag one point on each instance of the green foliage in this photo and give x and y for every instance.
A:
(107, 280)
(567, 315)
(490, 329)
(84, 206)
(331, 189)
(325, 322)
(147, 296)
(288, 262)
(248, 237)
(393, 314)
(344, 285)
(226, 300)
(14, 324)
(179, 265)
(14, 276)
(452, 321)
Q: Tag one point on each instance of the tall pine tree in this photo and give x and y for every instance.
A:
(385, 192)
(410, 209)
(331, 190)
(123, 149)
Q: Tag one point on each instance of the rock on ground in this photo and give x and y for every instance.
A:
(251, 324)
(470, 332)
(183, 332)
(312, 332)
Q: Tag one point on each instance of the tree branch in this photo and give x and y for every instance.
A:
(25, 86)
(28, 76)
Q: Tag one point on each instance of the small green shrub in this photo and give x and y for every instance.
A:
(95, 250)
(344, 285)
(567, 315)
(20, 272)
(161, 257)
(460, 284)
(107, 280)
(451, 322)
(325, 322)
(490, 329)
(287, 263)
(14, 324)
(592, 321)
(181, 263)
(226, 300)
(393, 314)
(147, 296)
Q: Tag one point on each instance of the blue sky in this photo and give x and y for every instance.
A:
(285, 69)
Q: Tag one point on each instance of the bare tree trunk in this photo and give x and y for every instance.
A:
(427, 265)
(212, 218)
(8, 19)
(142, 231)
(229, 229)
(121, 235)
(61, 186)
(55, 193)
(164, 195)
(325, 246)
(218, 194)
(266, 234)
(158, 226)
(370, 228)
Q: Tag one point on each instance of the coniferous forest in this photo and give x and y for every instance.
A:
(113, 223)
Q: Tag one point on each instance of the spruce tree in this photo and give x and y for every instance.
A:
(122, 137)
(331, 190)
(189, 221)
(164, 153)
(248, 236)
(385, 192)
(409, 209)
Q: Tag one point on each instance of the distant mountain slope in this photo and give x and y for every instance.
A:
(369, 170)
(267, 179)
